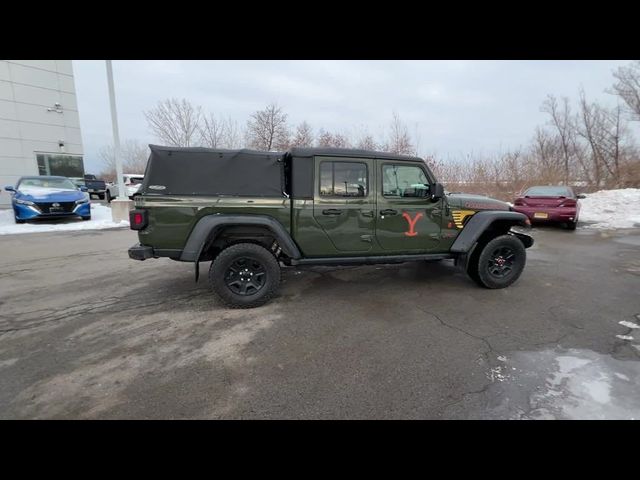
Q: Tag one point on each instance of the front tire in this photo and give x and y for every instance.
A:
(244, 275)
(19, 221)
(88, 217)
(500, 262)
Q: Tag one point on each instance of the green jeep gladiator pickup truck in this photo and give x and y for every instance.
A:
(251, 212)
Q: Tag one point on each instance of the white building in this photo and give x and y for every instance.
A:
(39, 122)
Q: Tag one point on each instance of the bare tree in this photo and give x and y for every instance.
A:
(175, 122)
(267, 129)
(335, 140)
(399, 139)
(367, 142)
(134, 158)
(605, 132)
(561, 120)
(212, 132)
(303, 136)
(627, 87)
(232, 134)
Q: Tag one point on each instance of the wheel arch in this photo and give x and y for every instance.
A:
(485, 225)
(246, 228)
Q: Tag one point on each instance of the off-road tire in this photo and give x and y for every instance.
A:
(483, 266)
(220, 274)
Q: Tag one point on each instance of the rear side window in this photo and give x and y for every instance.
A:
(343, 179)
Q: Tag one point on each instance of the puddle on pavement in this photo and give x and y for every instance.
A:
(567, 384)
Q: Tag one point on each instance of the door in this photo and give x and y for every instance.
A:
(343, 203)
(407, 220)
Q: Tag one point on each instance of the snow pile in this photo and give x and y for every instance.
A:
(100, 218)
(609, 209)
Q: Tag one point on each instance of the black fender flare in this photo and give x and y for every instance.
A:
(482, 220)
(208, 226)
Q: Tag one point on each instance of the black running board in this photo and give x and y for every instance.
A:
(369, 260)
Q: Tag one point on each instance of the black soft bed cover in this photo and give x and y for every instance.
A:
(206, 171)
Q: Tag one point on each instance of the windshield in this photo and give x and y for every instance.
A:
(48, 182)
(548, 192)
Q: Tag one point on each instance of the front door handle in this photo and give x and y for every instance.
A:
(388, 212)
(332, 211)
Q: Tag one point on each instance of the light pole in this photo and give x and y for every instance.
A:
(121, 205)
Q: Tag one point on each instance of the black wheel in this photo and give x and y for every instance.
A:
(572, 225)
(109, 197)
(499, 263)
(19, 221)
(87, 217)
(101, 196)
(244, 275)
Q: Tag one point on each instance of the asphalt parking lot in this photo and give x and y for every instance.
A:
(85, 332)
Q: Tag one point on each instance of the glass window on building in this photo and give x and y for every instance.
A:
(63, 165)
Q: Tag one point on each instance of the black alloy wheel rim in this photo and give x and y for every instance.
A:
(245, 276)
(500, 262)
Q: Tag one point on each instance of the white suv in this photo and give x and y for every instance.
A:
(132, 183)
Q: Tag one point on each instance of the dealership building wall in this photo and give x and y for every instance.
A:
(39, 121)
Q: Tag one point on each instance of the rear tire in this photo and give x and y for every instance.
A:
(86, 218)
(244, 275)
(101, 196)
(572, 225)
(109, 197)
(499, 263)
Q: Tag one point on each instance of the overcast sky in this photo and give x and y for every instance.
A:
(453, 107)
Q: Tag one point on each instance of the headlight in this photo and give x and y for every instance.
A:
(23, 202)
(84, 200)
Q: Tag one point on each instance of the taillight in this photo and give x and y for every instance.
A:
(568, 203)
(519, 202)
(137, 219)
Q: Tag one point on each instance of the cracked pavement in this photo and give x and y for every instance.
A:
(85, 332)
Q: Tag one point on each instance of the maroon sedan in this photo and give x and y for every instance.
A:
(547, 204)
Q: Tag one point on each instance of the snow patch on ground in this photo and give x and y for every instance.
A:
(100, 219)
(610, 209)
(624, 323)
(624, 337)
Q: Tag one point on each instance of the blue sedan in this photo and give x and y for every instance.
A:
(49, 197)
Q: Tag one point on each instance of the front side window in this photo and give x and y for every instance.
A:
(343, 179)
(404, 181)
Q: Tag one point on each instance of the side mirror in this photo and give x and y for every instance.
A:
(10, 188)
(581, 196)
(437, 191)
(84, 189)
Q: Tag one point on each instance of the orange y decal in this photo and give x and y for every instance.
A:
(412, 223)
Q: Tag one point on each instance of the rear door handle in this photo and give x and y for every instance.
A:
(388, 212)
(332, 211)
(367, 213)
